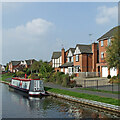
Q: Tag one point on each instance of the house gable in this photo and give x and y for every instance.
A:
(77, 51)
(70, 54)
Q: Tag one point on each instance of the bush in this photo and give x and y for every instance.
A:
(66, 80)
(8, 74)
(109, 76)
(78, 85)
(60, 73)
(14, 75)
(59, 79)
(115, 79)
(28, 72)
(72, 84)
(72, 76)
(20, 74)
(33, 76)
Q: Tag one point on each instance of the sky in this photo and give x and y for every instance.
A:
(37, 29)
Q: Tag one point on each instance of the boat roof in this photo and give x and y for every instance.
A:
(23, 79)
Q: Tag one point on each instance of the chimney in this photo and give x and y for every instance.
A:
(63, 56)
(94, 57)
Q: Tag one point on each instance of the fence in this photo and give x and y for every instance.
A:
(89, 74)
(100, 84)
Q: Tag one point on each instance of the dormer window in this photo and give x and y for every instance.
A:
(102, 43)
(109, 42)
(77, 58)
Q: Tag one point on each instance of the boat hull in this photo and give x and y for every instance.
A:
(29, 93)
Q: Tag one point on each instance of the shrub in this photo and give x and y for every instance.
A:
(115, 79)
(66, 80)
(28, 72)
(14, 75)
(52, 78)
(72, 76)
(8, 74)
(33, 76)
(59, 79)
(20, 74)
(60, 73)
(72, 84)
(109, 76)
(78, 85)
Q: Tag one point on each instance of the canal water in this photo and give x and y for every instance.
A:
(16, 105)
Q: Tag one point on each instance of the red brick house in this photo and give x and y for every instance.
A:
(19, 65)
(13, 65)
(82, 58)
(105, 41)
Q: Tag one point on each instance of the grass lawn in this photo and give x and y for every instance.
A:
(5, 76)
(85, 96)
(104, 91)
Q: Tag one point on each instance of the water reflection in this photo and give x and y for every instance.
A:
(47, 107)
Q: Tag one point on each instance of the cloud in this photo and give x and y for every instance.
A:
(35, 39)
(37, 27)
(106, 14)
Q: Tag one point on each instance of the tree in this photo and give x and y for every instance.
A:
(36, 66)
(46, 70)
(113, 52)
(7, 67)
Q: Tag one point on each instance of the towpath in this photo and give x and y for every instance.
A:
(109, 95)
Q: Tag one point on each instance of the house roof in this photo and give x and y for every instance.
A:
(68, 64)
(109, 34)
(29, 61)
(56, 55)
(84, 48)
(20, 67)
(72, 50)
(15, 62)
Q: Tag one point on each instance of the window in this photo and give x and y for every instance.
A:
(101, 43)
(68, 59)
(71, 59)
(109, 42)
(77, 58)
(77, 69)
(102, 55)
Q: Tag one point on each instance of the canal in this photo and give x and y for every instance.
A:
(16, 105)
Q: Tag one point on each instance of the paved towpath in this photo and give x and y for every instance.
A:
(109, 95)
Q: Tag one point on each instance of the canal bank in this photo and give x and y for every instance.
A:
(16, 105)
(97, 104)
(105, 106)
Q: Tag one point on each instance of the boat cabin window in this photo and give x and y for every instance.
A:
(38, 85)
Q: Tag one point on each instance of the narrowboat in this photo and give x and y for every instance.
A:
(33, 87)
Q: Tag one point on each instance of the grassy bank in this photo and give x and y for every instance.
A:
(98, 90)
(5, 77)
(85, 96)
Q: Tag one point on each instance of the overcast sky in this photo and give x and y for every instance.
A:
(35, 30)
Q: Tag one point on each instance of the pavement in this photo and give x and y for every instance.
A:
(109, 95)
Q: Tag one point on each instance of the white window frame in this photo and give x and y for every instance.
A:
(77, 58)
(109, 42)
(102, 55)
(102, 43)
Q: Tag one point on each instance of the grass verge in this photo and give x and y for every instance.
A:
(4, 77)
(104, 91)
(85, 96)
